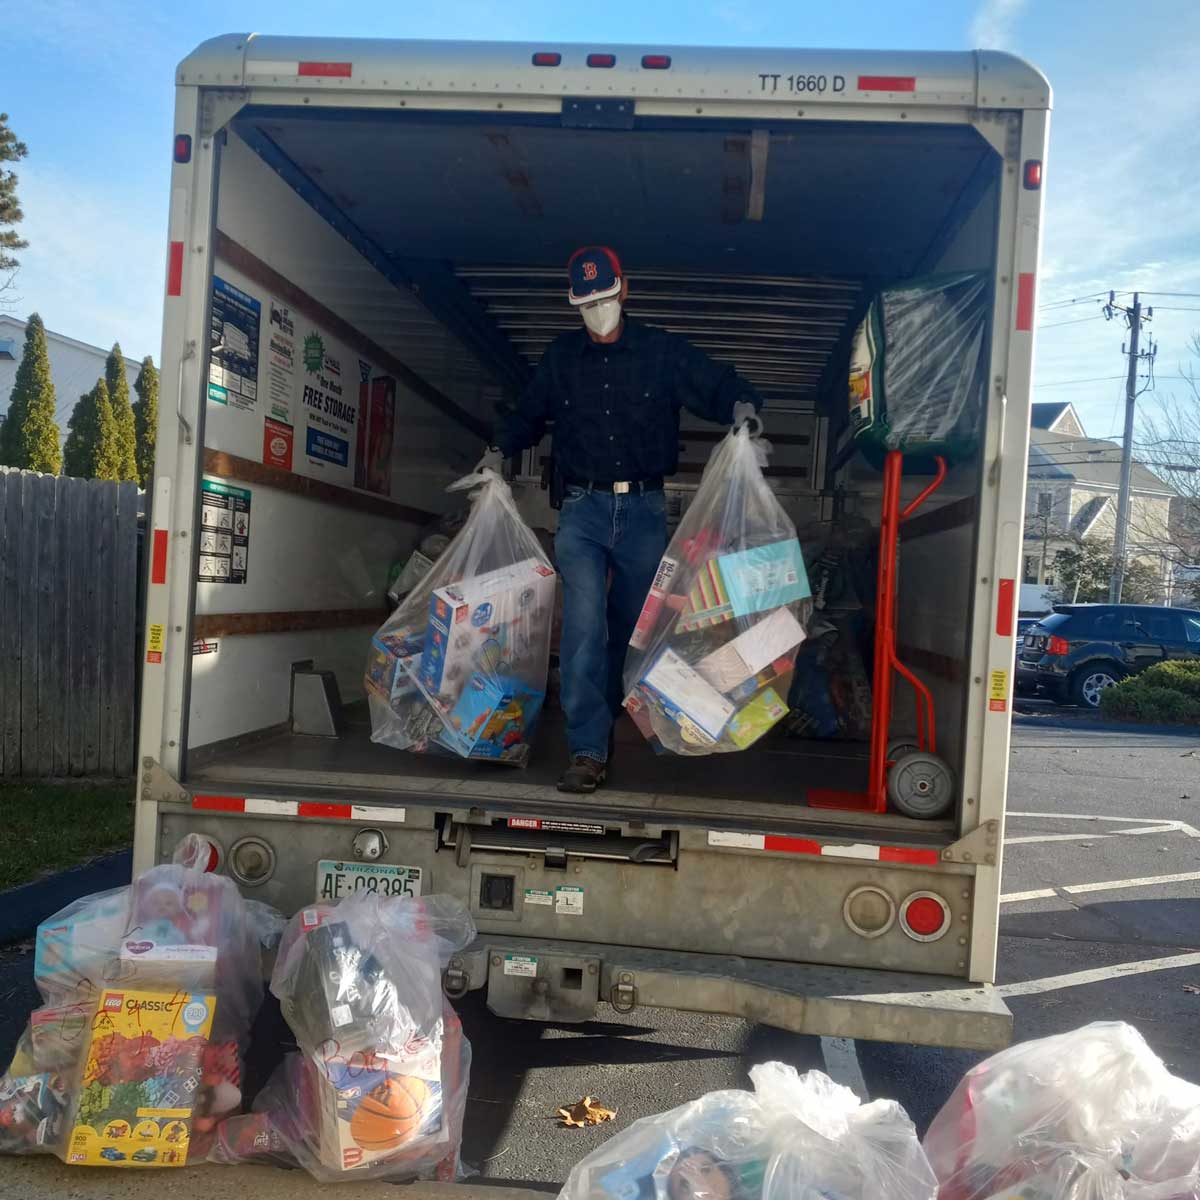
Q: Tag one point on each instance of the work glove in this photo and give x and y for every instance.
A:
(744, 412)
(492, 460)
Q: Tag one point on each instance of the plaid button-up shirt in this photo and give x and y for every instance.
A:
(615, 407)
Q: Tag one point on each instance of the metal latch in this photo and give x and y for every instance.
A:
(556, 857)
(455, 979)
(978, 846)
(623, 994)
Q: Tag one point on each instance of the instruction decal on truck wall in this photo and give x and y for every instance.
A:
(154, 643)
(568, 901)
(281, 361)
(224, 532)
(998, 692)
(233, 334)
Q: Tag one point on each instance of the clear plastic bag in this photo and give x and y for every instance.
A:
(460, 667)
(150, 991)
(379, 1086)
(918, 372)
(796, 1138)
(1090, 1113)
(710, 661)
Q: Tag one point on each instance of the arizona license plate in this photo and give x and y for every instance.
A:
(338, 879)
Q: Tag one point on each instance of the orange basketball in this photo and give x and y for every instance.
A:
(390, 1114)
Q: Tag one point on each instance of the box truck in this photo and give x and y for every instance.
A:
(366, 254)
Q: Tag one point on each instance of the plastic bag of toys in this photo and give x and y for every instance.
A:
(1087, 1115)
(149, 993)
(378, 1088)
(796, 1138)
(711, 659)
(460, 667)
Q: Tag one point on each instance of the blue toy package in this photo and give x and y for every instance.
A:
(74, 946)
(764, 577)
(494, 718)
(393, 660)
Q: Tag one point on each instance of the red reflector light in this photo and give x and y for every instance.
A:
(1057, 645)
(325, 70)
(546, 58)
(887, 83)
(174, 268)
(183, 148)
(656, 62)
(601, 60)
(925, 916)
(1033, 174)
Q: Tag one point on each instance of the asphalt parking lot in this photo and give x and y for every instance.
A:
(1100, 921)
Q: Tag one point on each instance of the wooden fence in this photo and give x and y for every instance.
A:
(68, 625)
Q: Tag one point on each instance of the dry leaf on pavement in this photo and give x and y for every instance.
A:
(588, 1111)
(1191, 987)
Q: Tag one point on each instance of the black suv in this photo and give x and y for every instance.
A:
(1080, 649)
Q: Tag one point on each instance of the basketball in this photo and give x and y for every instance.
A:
(391, 1114)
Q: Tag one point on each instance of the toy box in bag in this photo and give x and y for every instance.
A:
(460, 667)
(711, 656)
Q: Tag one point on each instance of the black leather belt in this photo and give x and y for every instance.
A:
(621, 487)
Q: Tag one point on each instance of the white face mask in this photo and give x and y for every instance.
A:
(603, 316)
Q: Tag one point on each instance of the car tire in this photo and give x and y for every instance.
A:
(1088, 683)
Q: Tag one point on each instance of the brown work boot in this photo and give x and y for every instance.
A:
(584, 775)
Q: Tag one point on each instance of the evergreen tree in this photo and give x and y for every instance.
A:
(29, 435)
(11, 150)
(91, 450)
(124, 428)
(145, 416)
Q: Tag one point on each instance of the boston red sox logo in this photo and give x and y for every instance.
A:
(589, 271)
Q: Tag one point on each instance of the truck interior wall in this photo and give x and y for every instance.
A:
(314, 558)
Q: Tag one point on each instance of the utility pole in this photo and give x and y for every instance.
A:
(1134, 317)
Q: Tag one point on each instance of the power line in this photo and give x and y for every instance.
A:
(1076, 321)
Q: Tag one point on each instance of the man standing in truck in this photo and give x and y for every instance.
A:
(613, 390)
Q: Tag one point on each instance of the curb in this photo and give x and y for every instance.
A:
(25, 907)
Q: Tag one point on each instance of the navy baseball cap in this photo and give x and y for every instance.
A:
(595, 274)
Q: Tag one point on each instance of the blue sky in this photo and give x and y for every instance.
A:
(88, 85)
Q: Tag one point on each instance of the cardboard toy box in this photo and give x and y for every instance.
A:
(488, 622)
(394, 659)
(700, 711)
(72, 954)
(764, 577)
(494, 719)
(141, 1078)
(753, 650)
(751, 721)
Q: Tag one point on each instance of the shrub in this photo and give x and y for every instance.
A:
(1167, 693)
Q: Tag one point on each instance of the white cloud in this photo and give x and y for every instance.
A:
(992, 26)
(94, 269)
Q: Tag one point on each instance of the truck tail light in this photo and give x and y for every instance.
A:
(601, 60)
(925, 916)
(198, 852)
(869, 911)
(183, 148)
(251, 861)
(1032, 176)
(546, 58)
(1058, 646)
(656, 62)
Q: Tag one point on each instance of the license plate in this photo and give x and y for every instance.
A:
(338, 879)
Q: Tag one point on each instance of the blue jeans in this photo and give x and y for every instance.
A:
(598, 533)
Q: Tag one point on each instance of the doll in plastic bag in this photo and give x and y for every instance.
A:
(379, 1086)
(149, 994)
(711, 658)
(796, 1138)
(460, 667)
(1090, 1113)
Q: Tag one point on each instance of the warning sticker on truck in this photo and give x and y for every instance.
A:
(998, 692)
(520, 964)
(154, 643)
(568, 901)
(539, 896)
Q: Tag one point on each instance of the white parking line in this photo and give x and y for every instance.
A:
(1167, 826)
(1054, 983)
(1038, 894)
(1164, 827)
(1106, 885)
(841, 1065)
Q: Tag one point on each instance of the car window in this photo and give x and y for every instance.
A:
(1192, 627)
(1109, 626)
(1055, 621)
(1160, 626)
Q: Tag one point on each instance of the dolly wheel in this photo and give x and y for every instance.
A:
(898, 747)
(921, 785)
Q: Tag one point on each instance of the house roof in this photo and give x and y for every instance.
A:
(1057, 456)
(17, 328)
(1085, 518)
(1043, 413)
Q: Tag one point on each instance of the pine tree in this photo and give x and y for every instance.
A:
(91, 450)
(11, 150)
(145, 416)
(29, 435)
(124, 428)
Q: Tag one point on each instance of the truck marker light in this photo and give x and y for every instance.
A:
(1032, 177)
(887, 83)
(325, 70)
(656, 62)
(601, 60)
(924, 916)
(183, 147)
(197, 852)
(175, 269)
(1025, 295)
(546, 58)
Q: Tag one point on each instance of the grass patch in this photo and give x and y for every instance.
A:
(1166, 694)
(46, 827)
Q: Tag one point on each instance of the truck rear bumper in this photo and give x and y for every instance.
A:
(536, 979)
